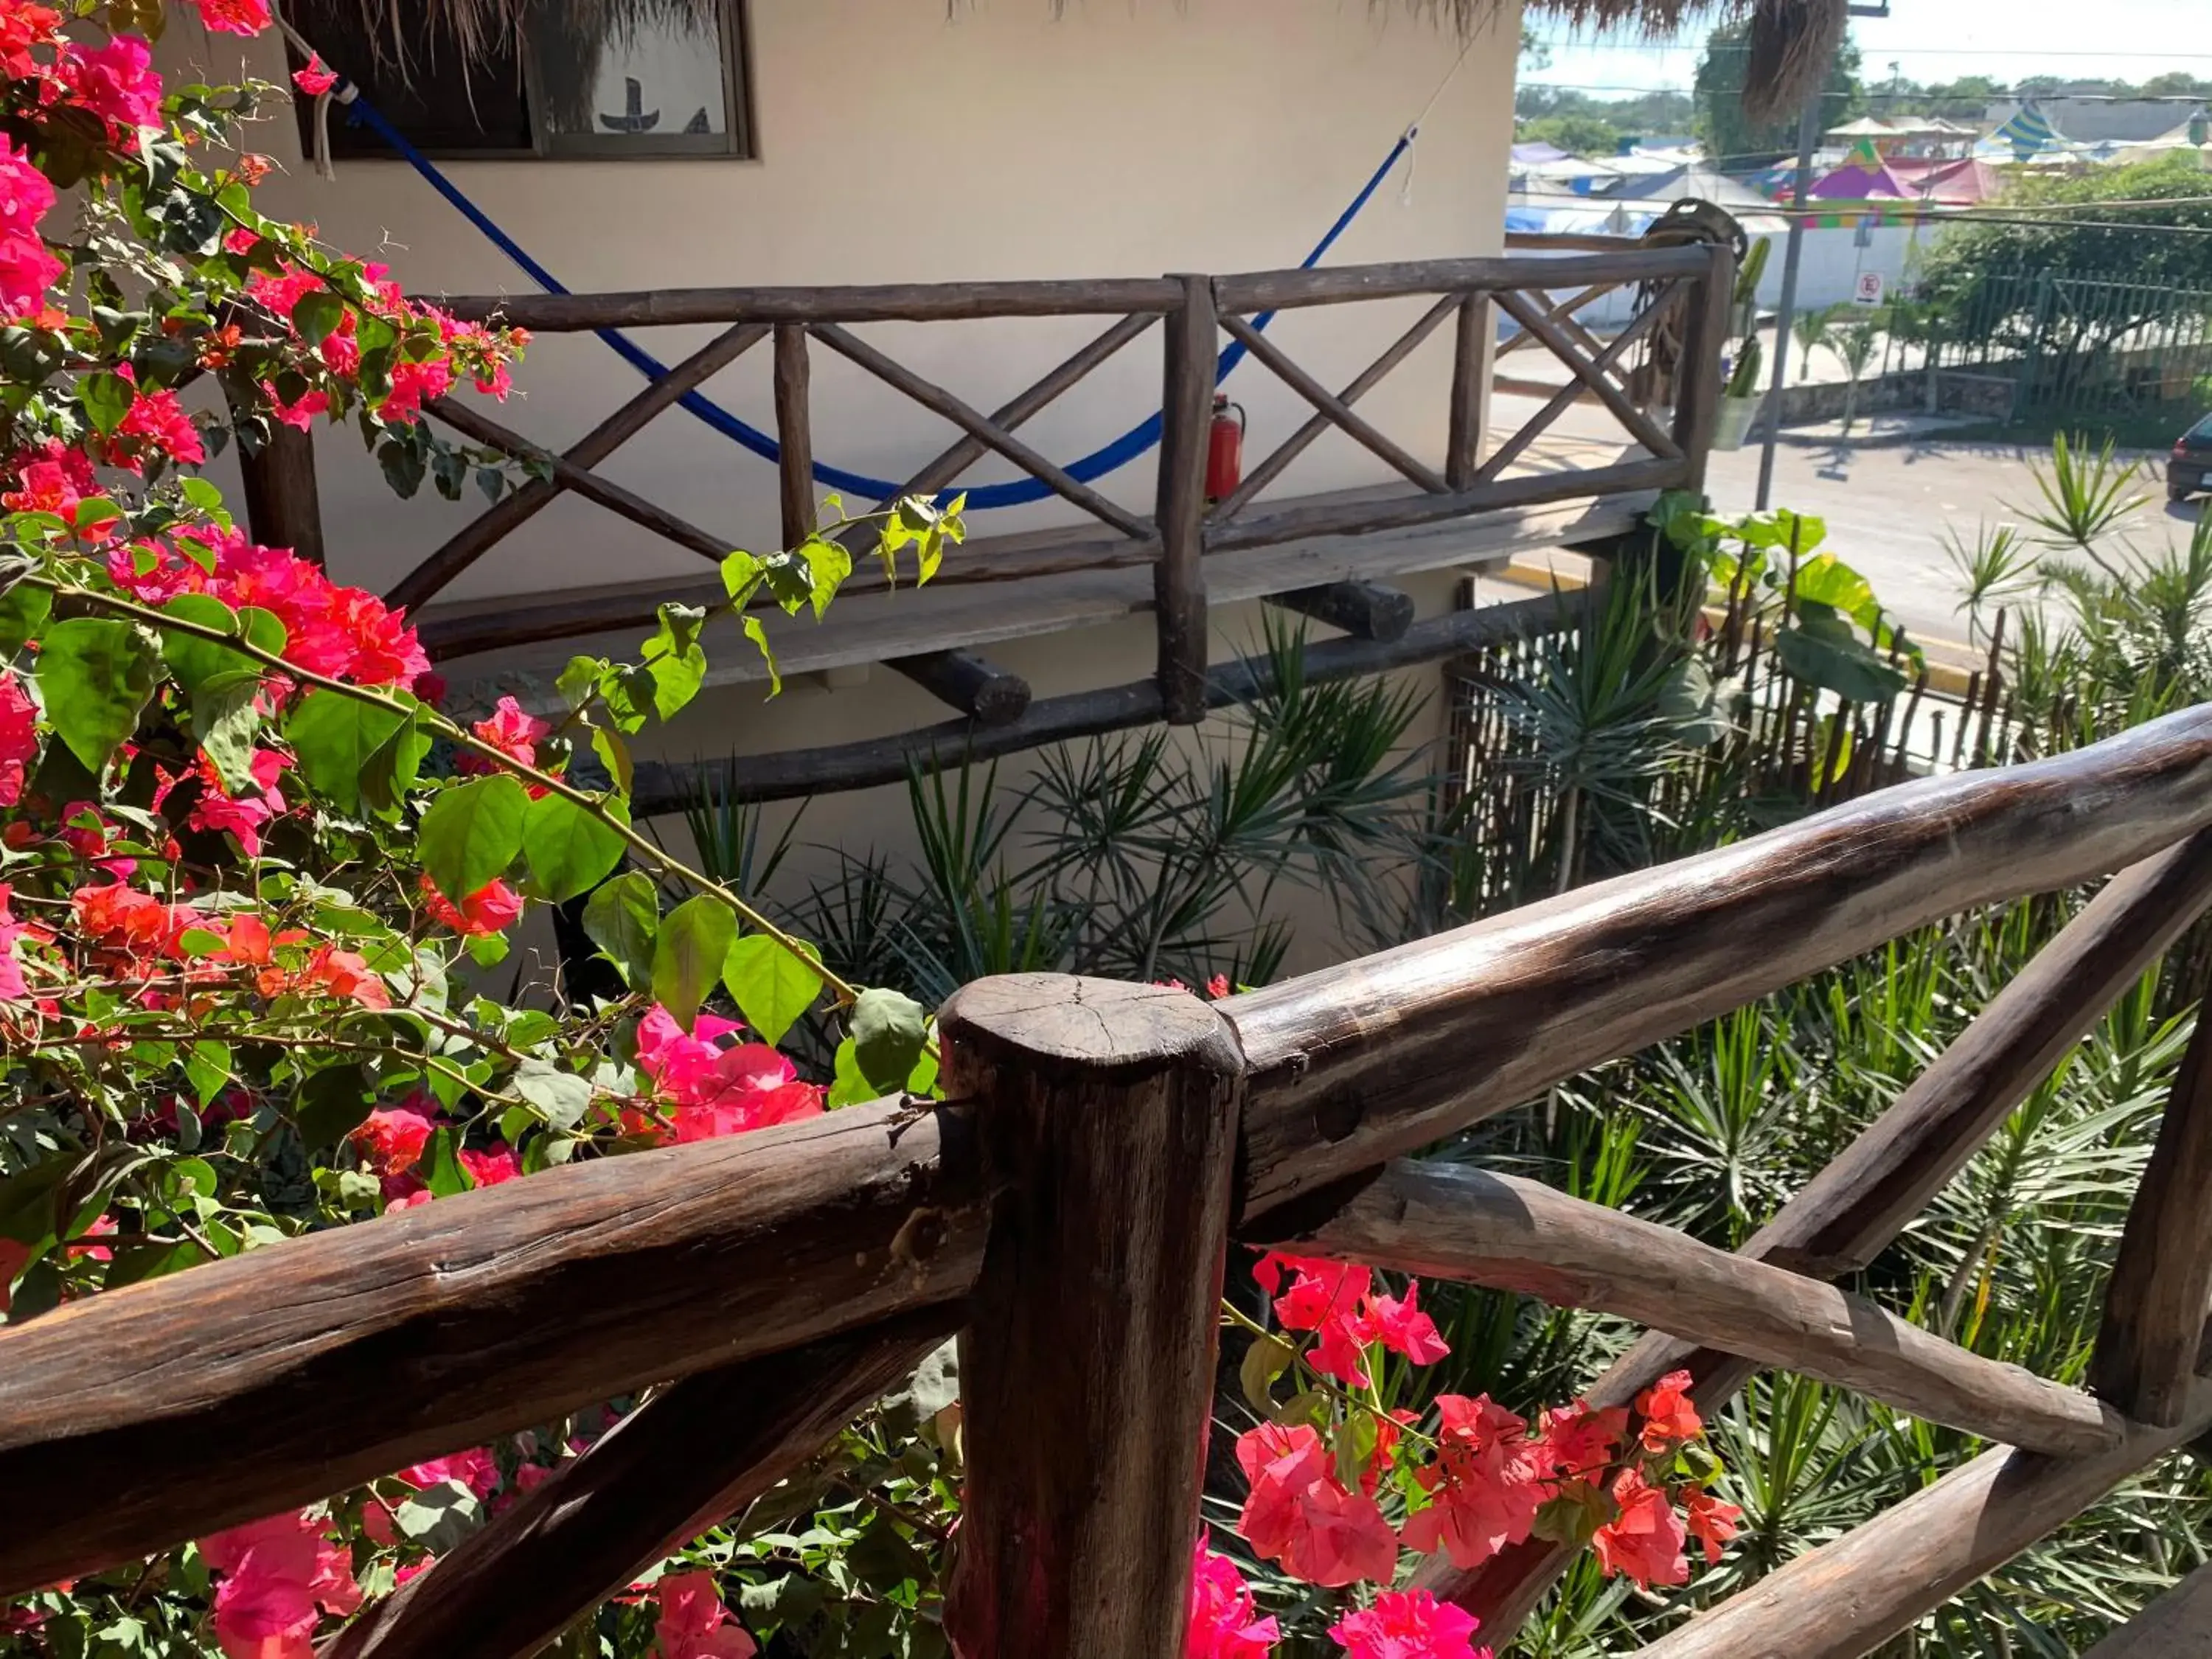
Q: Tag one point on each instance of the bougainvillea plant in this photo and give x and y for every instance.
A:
(250, 873)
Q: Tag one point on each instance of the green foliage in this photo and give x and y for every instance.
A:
(2135, 245)
(1733, 141)
(472, 833)
(688, 953)
(95, 674)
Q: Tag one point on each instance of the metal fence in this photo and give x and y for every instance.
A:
(2080, 344)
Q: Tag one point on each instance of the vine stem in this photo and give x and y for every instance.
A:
(666, 863)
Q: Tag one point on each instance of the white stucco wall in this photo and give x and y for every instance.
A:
(896, 143)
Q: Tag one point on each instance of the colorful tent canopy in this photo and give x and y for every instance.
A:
(1947, 182)
(1863, 177)
(2026, 134)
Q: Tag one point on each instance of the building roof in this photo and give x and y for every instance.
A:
(2090, 120)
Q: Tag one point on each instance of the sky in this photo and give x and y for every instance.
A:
(1931, 40)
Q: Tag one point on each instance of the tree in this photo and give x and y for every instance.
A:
(1732, 139)
(1577, 133)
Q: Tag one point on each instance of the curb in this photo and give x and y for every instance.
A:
(1800, 439)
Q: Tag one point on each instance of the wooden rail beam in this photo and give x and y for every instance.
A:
(420, 1332)
(883, 302)
(2161, 1281)
(1591, 372)
(1698, 374)
(476, 538)
(1179, 579)
(981, 689)
(1106, 1115)
(1285, 290)
(699, 1450)
(1346, 419)
(2177, 1626)
(1852, 1210)
(1366, 611)
(1639, 426)
(1847, 1598)
(1365, 1062)
(1452, 1221)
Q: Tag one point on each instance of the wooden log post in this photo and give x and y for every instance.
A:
(1179, 579)
(2177, 1626)
(1698, 374)
(1106, 1120)
(1470, 390)
(976, 686)
(794, 433)
(2161, 1281)
(283, 507)
(1366, 611)
(700, 1450)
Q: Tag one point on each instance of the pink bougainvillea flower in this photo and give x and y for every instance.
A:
(233, 16)
(1319, 1289)
(159, 419)
(1218, 986)
(273, 1574)
(1670, 1421)
(47, 487)
(19, 738)
(475, 1469)
(694, 1623)
(410, 384)
(492, 908)
(496, 1163)
(316, 79)
(1577, 1440)
(749, 1087)
(1645, 1540)
(28, 270)
(12, 986)
(1224, 1623)
(1300, 1516)
(117, 81)
(22, 28)
(1485, 1483)
(1409, 1625)
(514, 733)
(27, 196)
(1709, 1521)
(391, 1141)
(1403, 1328)
(299, 414)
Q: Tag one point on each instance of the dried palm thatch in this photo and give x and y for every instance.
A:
(1791, 40)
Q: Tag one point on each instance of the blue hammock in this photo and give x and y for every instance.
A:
(1019, 492)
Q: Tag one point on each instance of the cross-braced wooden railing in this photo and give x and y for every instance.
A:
(1070, 1208)
(1199, 316)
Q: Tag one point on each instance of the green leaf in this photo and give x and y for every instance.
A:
(847, 1086)
(207, 1067)
(95, 676)
(23, 612)
(622, 918)
(439, 1517)
(394, 766)
(742, 575)
(828, 564)
(107, 399)
(195, 661)
(471, 834)
(1822, 651)
(441, 1165)
(1826, 580)
(679, 666)
(225, 719)
(332, 1105)
(614, 755)
(562, 1096)
(687, 955)
(1268, 1358)
(771, 985)
(888, 1031)
(758, 635)
(1798, 532)
(569, 850)
(334, 735)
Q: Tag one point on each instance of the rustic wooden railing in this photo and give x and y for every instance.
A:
(1687, 289)
(1069, 1209)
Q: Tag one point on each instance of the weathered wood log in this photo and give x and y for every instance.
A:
(1366, 611)
(1698, 374)
(1279, 460)
(1451, 1221)
(796, 773)
(1845, 1598)
(1105, 1117)
(1179, 579)
(1368, 1061)
(941, 473)
(1591, 372)
(627, 503)
(2161, 1281)
(1284, 290)
(1556, 312)
(1471, 359)
(1852, 1210)
(965, 680)
(1568, 395)
(795, 435)
(1340, 414)
(2177, 1626)
(887, 302)
(283, 505)
(360, 1349)
(977, 425)
(504, 517)
(1356, 518)
(698, 1451)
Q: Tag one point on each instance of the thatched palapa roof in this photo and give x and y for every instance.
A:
(1791, 40)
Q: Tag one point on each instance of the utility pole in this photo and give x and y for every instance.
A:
(1808, 137)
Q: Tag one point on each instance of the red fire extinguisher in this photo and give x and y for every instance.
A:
(1224, 449)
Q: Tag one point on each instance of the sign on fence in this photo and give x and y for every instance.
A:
(1868, 292)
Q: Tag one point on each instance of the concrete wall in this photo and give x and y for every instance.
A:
(898, 144)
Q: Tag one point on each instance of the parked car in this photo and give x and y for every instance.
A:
(2190, 469)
